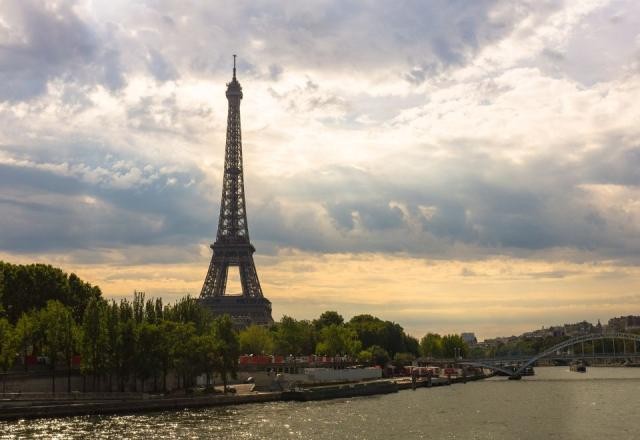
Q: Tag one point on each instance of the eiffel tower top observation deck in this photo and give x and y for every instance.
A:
(232, 246)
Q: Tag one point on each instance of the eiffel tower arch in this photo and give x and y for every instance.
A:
(232, 247)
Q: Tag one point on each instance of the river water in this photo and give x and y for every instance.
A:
(554, 404)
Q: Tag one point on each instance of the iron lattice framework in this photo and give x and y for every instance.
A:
(524, 363)
(232, 246)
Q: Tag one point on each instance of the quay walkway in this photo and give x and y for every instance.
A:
(65, 405)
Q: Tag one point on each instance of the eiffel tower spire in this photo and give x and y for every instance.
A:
(232, 246)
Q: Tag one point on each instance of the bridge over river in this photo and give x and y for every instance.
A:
(554, 352)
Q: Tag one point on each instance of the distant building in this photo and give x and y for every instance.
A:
(598, 329)
(469, 338)
(537, 334)
(578, 329)
(624, 323)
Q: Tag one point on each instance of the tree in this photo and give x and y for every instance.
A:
(453, 345)
(228, 348)
(29, 287)
(55, 320)
(386, 334)
(148, 356)
(412, 345)
(369, 329)
(365, 356)
(182, 341)
(26, 334)
(337, 339)
(294, 337)
(165, 349)
(379, 355)
(94, 339)
(113, 341)
(8, 348)
(188, 309)
(431, 345)
(78, 296)
(208, 352)
(256, 339)
(70, 340)
(327, 318)
(138, 306)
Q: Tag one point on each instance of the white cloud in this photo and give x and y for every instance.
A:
(466, 130)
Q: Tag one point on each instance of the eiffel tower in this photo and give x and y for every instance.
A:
(232, 246)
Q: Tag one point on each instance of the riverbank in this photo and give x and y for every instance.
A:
(22, 407)
(68, 408)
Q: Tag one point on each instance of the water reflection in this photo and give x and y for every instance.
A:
(555, 403)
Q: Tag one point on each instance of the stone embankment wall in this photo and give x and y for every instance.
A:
(40, 382)
(316, 375)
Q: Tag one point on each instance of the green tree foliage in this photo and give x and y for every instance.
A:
(328, 318)
(436, 346)
(337, 339)
(184, 351)
(94, 339)
(454, 345)
(79, 295)
(2, 311)
(58, 335)
(208, 348)
(188, 309)
(228, 348)
(386, 334)
(8, 347)
(365, 356)
(256, 339)
(148, 357)
(294, 337)
(377, 355)
(131, 342)
(27, 334)
(431, 345)
(29, 287)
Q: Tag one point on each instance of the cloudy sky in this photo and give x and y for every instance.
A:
(450, 165)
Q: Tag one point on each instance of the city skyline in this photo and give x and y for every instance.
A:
(479, 174)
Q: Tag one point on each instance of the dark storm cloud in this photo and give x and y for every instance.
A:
(46, 211)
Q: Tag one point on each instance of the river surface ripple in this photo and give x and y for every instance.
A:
(555, 404)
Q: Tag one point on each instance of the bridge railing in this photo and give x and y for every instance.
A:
(485, 363)
(578, 340)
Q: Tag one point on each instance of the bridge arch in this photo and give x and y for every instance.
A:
(552, 350)
(576, 340)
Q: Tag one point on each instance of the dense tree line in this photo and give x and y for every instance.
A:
(126, 343)
(364, 337)
(448, 346)
(123, 344)
(24, 288)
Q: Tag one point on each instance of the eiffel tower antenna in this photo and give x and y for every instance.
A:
(232, 247)
(234, 66)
